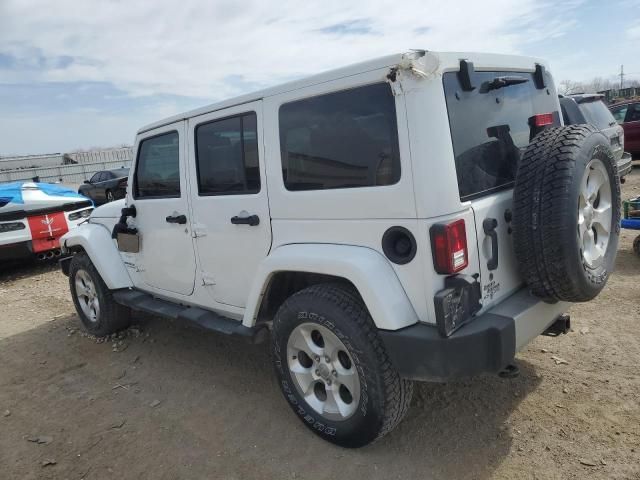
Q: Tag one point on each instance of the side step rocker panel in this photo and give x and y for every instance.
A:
(206, 319)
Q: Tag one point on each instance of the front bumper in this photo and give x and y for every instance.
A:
(624, 164)
(487, 344)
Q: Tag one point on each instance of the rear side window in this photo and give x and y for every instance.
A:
(490, 128)
(596, 113)
(227, 156)
(633, 114)
(158, 167)
(619, 113)
(344, 139)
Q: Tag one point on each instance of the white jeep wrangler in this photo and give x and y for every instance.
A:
(416, 217)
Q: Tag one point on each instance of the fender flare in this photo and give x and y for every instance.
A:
(96, 240)
(365, 268)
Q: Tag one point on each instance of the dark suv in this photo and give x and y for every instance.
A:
(590, 108)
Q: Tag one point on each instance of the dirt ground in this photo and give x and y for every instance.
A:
(168, 401)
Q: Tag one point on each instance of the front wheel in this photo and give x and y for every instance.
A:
(93, 300)
(110, 197)
(333, 369)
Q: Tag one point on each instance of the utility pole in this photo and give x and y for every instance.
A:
(621, 76)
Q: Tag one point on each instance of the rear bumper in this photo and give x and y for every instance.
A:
(624, 164)
(487, 344)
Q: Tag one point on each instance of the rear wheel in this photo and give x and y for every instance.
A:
(567, 213)
(333, 368)
(110, 197)
(93, 300)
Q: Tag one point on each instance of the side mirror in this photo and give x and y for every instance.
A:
(87, 182)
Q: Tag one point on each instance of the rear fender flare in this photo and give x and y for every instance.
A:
(365, 268)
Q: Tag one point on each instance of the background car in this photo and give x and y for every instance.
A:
(627, 114)
(106, 185)
(33, 217)
(590, 108)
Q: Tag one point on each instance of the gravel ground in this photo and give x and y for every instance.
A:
(166, 401)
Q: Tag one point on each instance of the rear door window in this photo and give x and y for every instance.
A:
(596, 113)
(490, 128)
(227, 156)
(619, 113)
(343, 139)
(633, 114)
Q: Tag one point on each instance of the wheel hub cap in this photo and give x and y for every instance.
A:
(323, 371)
(87, 295)
(594, 213)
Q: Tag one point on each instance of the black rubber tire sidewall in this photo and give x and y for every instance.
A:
(546, 237)
(366, 424)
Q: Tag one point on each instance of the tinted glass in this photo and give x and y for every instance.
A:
(158, 168)
(227, 156)
(491, 128)
(619, 113)
(633, 114)
(340, 140)
(596, 113)
(96, 177)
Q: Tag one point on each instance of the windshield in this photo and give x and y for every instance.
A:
(490, 128)
(597, 114)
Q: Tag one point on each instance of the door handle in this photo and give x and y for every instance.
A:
(251, 220)
(179, 219)
(489, 226)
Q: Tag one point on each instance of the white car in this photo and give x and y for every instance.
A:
(420, 216)
(33, 217)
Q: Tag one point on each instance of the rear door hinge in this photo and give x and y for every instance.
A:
(198, 230)
(207, 279)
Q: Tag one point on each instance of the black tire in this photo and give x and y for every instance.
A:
(112, 316)
(109, 196)
(384, 396)
(636, 245)
(546, 217)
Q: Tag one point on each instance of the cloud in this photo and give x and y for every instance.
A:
(633, 33)
(222, 48)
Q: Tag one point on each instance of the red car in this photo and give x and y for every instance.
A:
(627, 114)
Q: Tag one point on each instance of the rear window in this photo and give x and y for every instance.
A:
(343, 139)
(596, 113)
(491, 128)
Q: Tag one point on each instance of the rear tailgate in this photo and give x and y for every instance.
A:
(490, 128)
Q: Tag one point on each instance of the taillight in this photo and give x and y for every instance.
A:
(543, 119)
(449, 247)
(123, 182)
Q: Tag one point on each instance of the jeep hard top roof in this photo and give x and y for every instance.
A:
(428, 63)
(585, 97)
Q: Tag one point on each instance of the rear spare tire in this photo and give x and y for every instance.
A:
(566, 219)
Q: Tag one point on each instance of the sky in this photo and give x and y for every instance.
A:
(76, 74)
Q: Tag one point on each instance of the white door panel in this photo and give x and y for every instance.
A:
(231, 220)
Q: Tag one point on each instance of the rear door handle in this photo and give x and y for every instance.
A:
(489, 226)
(251, 220)
(179, 219)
